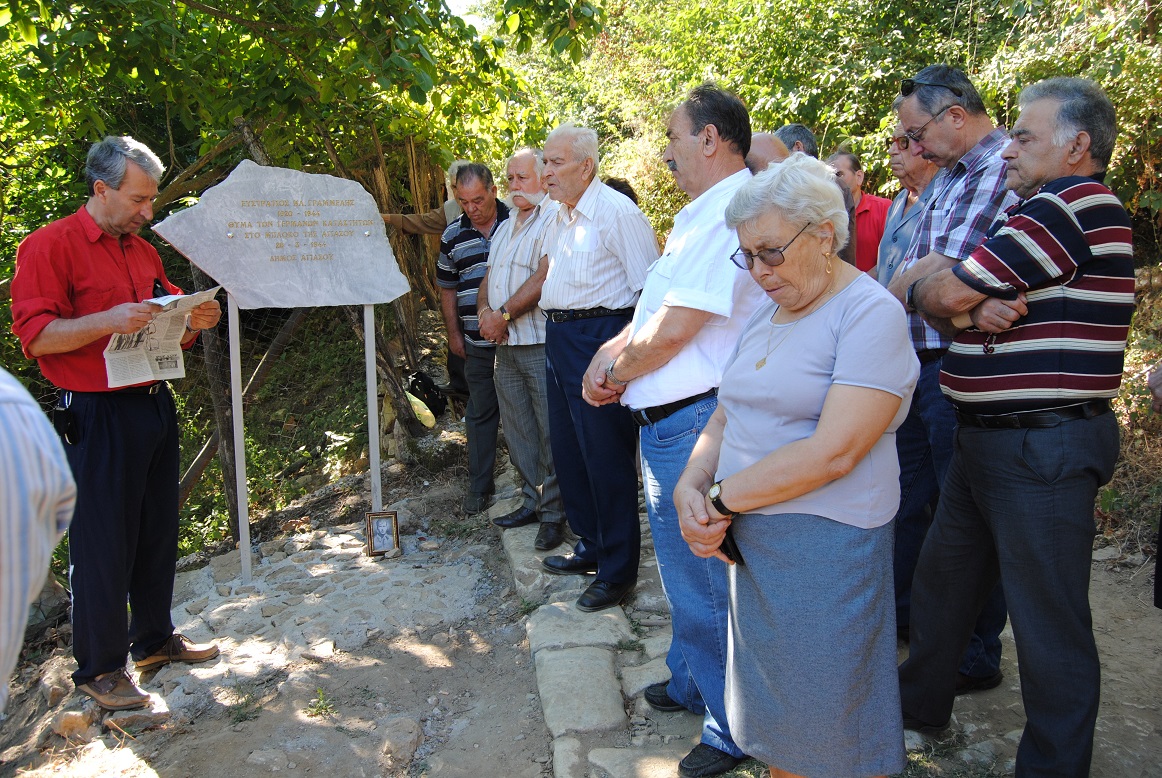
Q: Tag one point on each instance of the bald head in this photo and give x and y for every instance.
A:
(765, 148)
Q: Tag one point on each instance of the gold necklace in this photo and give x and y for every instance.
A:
(759, 365)
(816, 306)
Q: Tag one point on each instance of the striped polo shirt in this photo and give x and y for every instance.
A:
(1068, 249)
(463, 261)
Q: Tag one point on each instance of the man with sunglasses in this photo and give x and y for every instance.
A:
(943, 116)
(1036, 437)
(78, 281)
(666, 367)
(915, 175)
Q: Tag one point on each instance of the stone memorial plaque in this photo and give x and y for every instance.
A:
(278, 238)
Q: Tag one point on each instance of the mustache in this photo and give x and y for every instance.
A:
(672, 165)
(533, 197)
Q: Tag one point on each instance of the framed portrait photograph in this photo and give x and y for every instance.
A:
(382, 532)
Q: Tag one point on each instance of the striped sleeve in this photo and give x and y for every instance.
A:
(37, 496)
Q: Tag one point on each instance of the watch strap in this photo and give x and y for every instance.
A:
(716, 500)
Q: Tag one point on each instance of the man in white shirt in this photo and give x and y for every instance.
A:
(37, 496)
(510, 317)
(666, 367)
(597, 266)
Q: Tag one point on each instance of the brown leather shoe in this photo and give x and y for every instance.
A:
(115, 691)
(178, 648)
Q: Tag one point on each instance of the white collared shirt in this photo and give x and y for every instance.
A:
(695, 272)
(516, 251)
(599, 257)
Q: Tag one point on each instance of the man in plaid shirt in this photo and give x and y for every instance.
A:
(942, 113)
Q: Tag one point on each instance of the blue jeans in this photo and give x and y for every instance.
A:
(1017, 504)
(696, 589)
(924, 446)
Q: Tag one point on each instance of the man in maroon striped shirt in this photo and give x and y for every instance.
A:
(1031, 382)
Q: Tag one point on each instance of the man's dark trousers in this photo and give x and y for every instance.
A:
(594, 451)
(481, 417)
(1017, 504)
(124, 536)
(924, 446)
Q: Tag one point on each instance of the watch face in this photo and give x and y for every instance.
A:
(715, 490)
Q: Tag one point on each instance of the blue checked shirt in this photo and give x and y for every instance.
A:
(966, 201)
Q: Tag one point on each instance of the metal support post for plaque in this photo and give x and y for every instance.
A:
(239, 437)
(372, 408)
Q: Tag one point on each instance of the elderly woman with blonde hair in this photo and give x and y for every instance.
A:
(796, 480)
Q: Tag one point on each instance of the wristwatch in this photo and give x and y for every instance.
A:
(910, 296)
(504, 314)
(715, 497)
(610, 378)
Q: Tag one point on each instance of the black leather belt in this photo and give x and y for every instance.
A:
(647, 416)
(559, 316)
(1036, 419)
(930, 354)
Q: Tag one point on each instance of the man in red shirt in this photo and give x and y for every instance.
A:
(78, 281)
(870, 211)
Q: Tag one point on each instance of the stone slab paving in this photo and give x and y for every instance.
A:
(592, 668)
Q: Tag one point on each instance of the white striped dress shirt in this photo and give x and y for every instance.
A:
(37, 495)
(515, 254)
(601, 252)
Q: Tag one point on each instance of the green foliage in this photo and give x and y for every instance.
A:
(321, 706)
(836, 67)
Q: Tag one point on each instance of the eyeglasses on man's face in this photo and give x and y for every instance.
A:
(900, 141)
(772, 257)
(917, 135)
(908, 86)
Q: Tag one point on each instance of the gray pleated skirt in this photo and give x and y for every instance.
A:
(811, 683)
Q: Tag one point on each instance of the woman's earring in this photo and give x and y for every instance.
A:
(828, 268)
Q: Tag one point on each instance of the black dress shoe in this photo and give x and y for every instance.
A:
(659, 699)
(706, 760)
(549, 536)
(568, 564)
(604, 594)
(967, 684)
(518, 518)
(923, 727)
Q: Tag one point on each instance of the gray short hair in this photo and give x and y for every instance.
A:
(801, 189)
(108, 157)
(937, 93)
(582, 142)
(538, 159)
(790, 134)
(453, 169)
(1082, 107)
(473, 171)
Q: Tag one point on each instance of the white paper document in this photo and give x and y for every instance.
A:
(154, 352)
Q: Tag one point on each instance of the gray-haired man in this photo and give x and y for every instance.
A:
(509, 315)
(78, 281)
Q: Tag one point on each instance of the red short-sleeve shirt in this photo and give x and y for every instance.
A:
(72, 268)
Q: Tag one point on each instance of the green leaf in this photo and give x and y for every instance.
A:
(512, 23)
(27, 31)
(417, 94)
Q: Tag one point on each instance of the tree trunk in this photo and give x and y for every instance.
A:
(273, 352)
(391, 378)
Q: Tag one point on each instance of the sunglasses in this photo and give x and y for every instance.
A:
(772, 257)
(900, 140)
(908, 86)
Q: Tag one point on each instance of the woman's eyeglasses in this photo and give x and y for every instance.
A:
(772, 257)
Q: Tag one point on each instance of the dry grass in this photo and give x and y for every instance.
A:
(1128, 507)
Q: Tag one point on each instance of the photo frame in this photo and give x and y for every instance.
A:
(382, 532)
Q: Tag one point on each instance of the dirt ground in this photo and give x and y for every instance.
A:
(469, 687)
